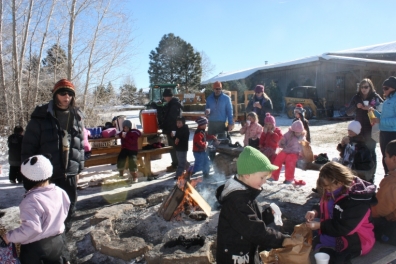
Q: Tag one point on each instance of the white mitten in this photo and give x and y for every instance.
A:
(277, 214)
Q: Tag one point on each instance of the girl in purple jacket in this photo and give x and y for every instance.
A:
(43, 211)
(345, 230)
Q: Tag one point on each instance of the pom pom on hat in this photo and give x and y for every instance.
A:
(299, 108)
(127, 123)
(390, 82)
(259, 88)
(269, 119)
(355, 126)
(167, 93)
(217, 84)
(252, 160)
(297, 126)
(63, 84)
(201, 121)
(37, 168)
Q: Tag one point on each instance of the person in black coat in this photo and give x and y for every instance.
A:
(14, 154)
(181, 138)
(260, 103)
(242, 231)
(171, 111)
(56, 128)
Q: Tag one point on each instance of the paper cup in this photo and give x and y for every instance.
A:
(366, 103)
(123, 134)
(248, 122)
(173, 133)
(322, 258)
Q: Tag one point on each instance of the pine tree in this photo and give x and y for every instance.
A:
(55, 63)
(175, 61)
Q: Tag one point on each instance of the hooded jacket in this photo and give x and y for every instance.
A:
(271, 140)
(356, 155)
(44, 135)
(350, 224)
(290, 143)
(171, 111)
(252, 131)
(241, 230)
(183, 134)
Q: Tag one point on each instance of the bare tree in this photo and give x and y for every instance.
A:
(207, 66)
(2, 77)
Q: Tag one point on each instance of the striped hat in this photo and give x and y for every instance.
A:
(201, 121)
(63, 84)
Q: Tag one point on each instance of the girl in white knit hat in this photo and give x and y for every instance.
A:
(43, 211)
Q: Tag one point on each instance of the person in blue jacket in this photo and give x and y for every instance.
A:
(219, 111)
(387, 118)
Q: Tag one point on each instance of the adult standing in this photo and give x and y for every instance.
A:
(219, 111)
(171, 111)
(260, 103)
(361, 102)
(56, 128)
(387, 118)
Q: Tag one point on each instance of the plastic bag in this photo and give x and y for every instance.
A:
(277, 214)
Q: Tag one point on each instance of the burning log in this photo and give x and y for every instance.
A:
(184, 198)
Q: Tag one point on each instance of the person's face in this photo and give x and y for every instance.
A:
(203, 126)
(257, 179)
(329, 186)
(251, 119)
(179, 124)
(390, 161)
(259, 94)
(217, 91)
(351, 133)
(269, 126)
(387, 90)
(167, 98)
(296, 114)
(126, 129)
(64, 99)
(365, 88)
(298, 134)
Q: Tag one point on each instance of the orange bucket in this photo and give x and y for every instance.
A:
(149, 121)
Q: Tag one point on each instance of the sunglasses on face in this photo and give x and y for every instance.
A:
(71, 94)
(364, 87)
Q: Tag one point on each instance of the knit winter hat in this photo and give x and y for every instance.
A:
(37, 168)
(259, 88)
(64, 85)
(127, 123)
(217, 84)
(252, 160)
(355, 126)
(201, 121)
(299, 108)
(269, 119)
(167, 93)
(297, 126)
(390, 82)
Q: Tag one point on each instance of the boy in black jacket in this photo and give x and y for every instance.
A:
(14, 154)
(181, 138)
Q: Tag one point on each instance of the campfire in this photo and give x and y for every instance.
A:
(185, 199)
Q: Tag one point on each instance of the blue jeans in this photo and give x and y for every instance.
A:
(201, 162)
(182, 160)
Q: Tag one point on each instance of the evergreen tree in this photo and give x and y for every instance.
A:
(175, 61)
(127, 94)
(273, 91)
(55, 63)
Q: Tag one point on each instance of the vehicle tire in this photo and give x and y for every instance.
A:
(290, 111)
(308, 112)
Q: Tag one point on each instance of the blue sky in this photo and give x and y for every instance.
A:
(236, 35)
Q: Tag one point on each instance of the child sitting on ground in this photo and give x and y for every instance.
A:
(129, 149)
(345, 230)
(384, 212)
(355, 154)
(242, 230)
(43, 211)
(201, 157)
(14, 155)
(270, 137)
(299, 113)
(181, 136)
(252, 131)
(291, 149)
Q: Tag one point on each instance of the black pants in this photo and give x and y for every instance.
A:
(385, 138)
(384, 230)
(15, 173)
(69, 185)
(171, 142)
(45, 251)
(132, 160)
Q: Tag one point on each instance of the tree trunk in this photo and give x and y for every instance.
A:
(15, 64)
(3, 87)
(70, 43)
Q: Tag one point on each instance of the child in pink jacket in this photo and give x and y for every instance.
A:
(269, 140)
(252, 130)
(291, 149)
(43, 210)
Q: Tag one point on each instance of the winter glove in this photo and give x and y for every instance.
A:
(267, 216)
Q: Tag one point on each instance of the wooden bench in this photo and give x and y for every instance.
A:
(108, 155)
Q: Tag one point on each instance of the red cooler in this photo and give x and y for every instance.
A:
(149, 121)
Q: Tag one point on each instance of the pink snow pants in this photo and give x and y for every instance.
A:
(290, 160)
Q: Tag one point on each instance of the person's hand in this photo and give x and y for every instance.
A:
(177, 141)
(230, 127)
(344, 141)
(359, 105)
(375, 120)
(313, 225)
(265, 129)
(310, 215)
(207, 111)
(366, 107)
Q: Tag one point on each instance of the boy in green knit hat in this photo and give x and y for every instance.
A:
(242, 231)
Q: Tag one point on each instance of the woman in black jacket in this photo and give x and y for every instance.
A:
(260, 103)
(56, 128)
